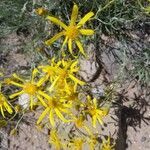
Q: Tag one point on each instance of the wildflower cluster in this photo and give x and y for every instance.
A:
(55, 88)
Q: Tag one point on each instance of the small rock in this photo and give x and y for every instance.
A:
(143, 139)
(24, 100)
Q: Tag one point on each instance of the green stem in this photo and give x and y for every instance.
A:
(106, 6)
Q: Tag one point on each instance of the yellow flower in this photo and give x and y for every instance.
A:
(66, 91)
(67, 72)
(55, 140)
(4, 106)
(76, 143)
(106, 145)
(41, 11)
(49, 71)
(93, 141)
(54, 106)
(72, 31)
(95, 112)
(60, 74)
(28, 87)
(80, 123)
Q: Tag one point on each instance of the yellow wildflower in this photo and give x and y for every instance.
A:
(80, 123)
(60, 74)
(68, 69)
(77, 143)
(53, 106)
(66, 92)
(41, 11)
(95, 112)
(72, 31)
(4, 106)
(77, 104)
(106, 145)
(93, 141)
(28, 87)
(49, 71)
(66, 72)
(55, 140)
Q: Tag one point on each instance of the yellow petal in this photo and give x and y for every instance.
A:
(75, 87)
(89, 99)
(86, 31)
(95, 102)
(76, 80)
(53, 84)
(16, 94)
(85, 19)
(58, 63)
(53, 39)
(100, 120)
(65, 110)
(94, 121)
(74, 15)
(70, 45)
(74, 67)
(51, 117)
(41, 100)
(2, 112)
(74, 64)
(57, 21)
(34, 72)
(65, 41)
(60, 115)
(43, 94)
(17, 77)
(105, 111)
(80, 47)
(88, 130)
(17, 84)
(42, 80)
(8, 108)
(43, 115)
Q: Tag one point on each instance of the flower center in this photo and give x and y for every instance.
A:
(50, 71)
(52, 103)
(92, 112)
(30, 88)
(72, 32)
(63, 74)
(79, 122)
